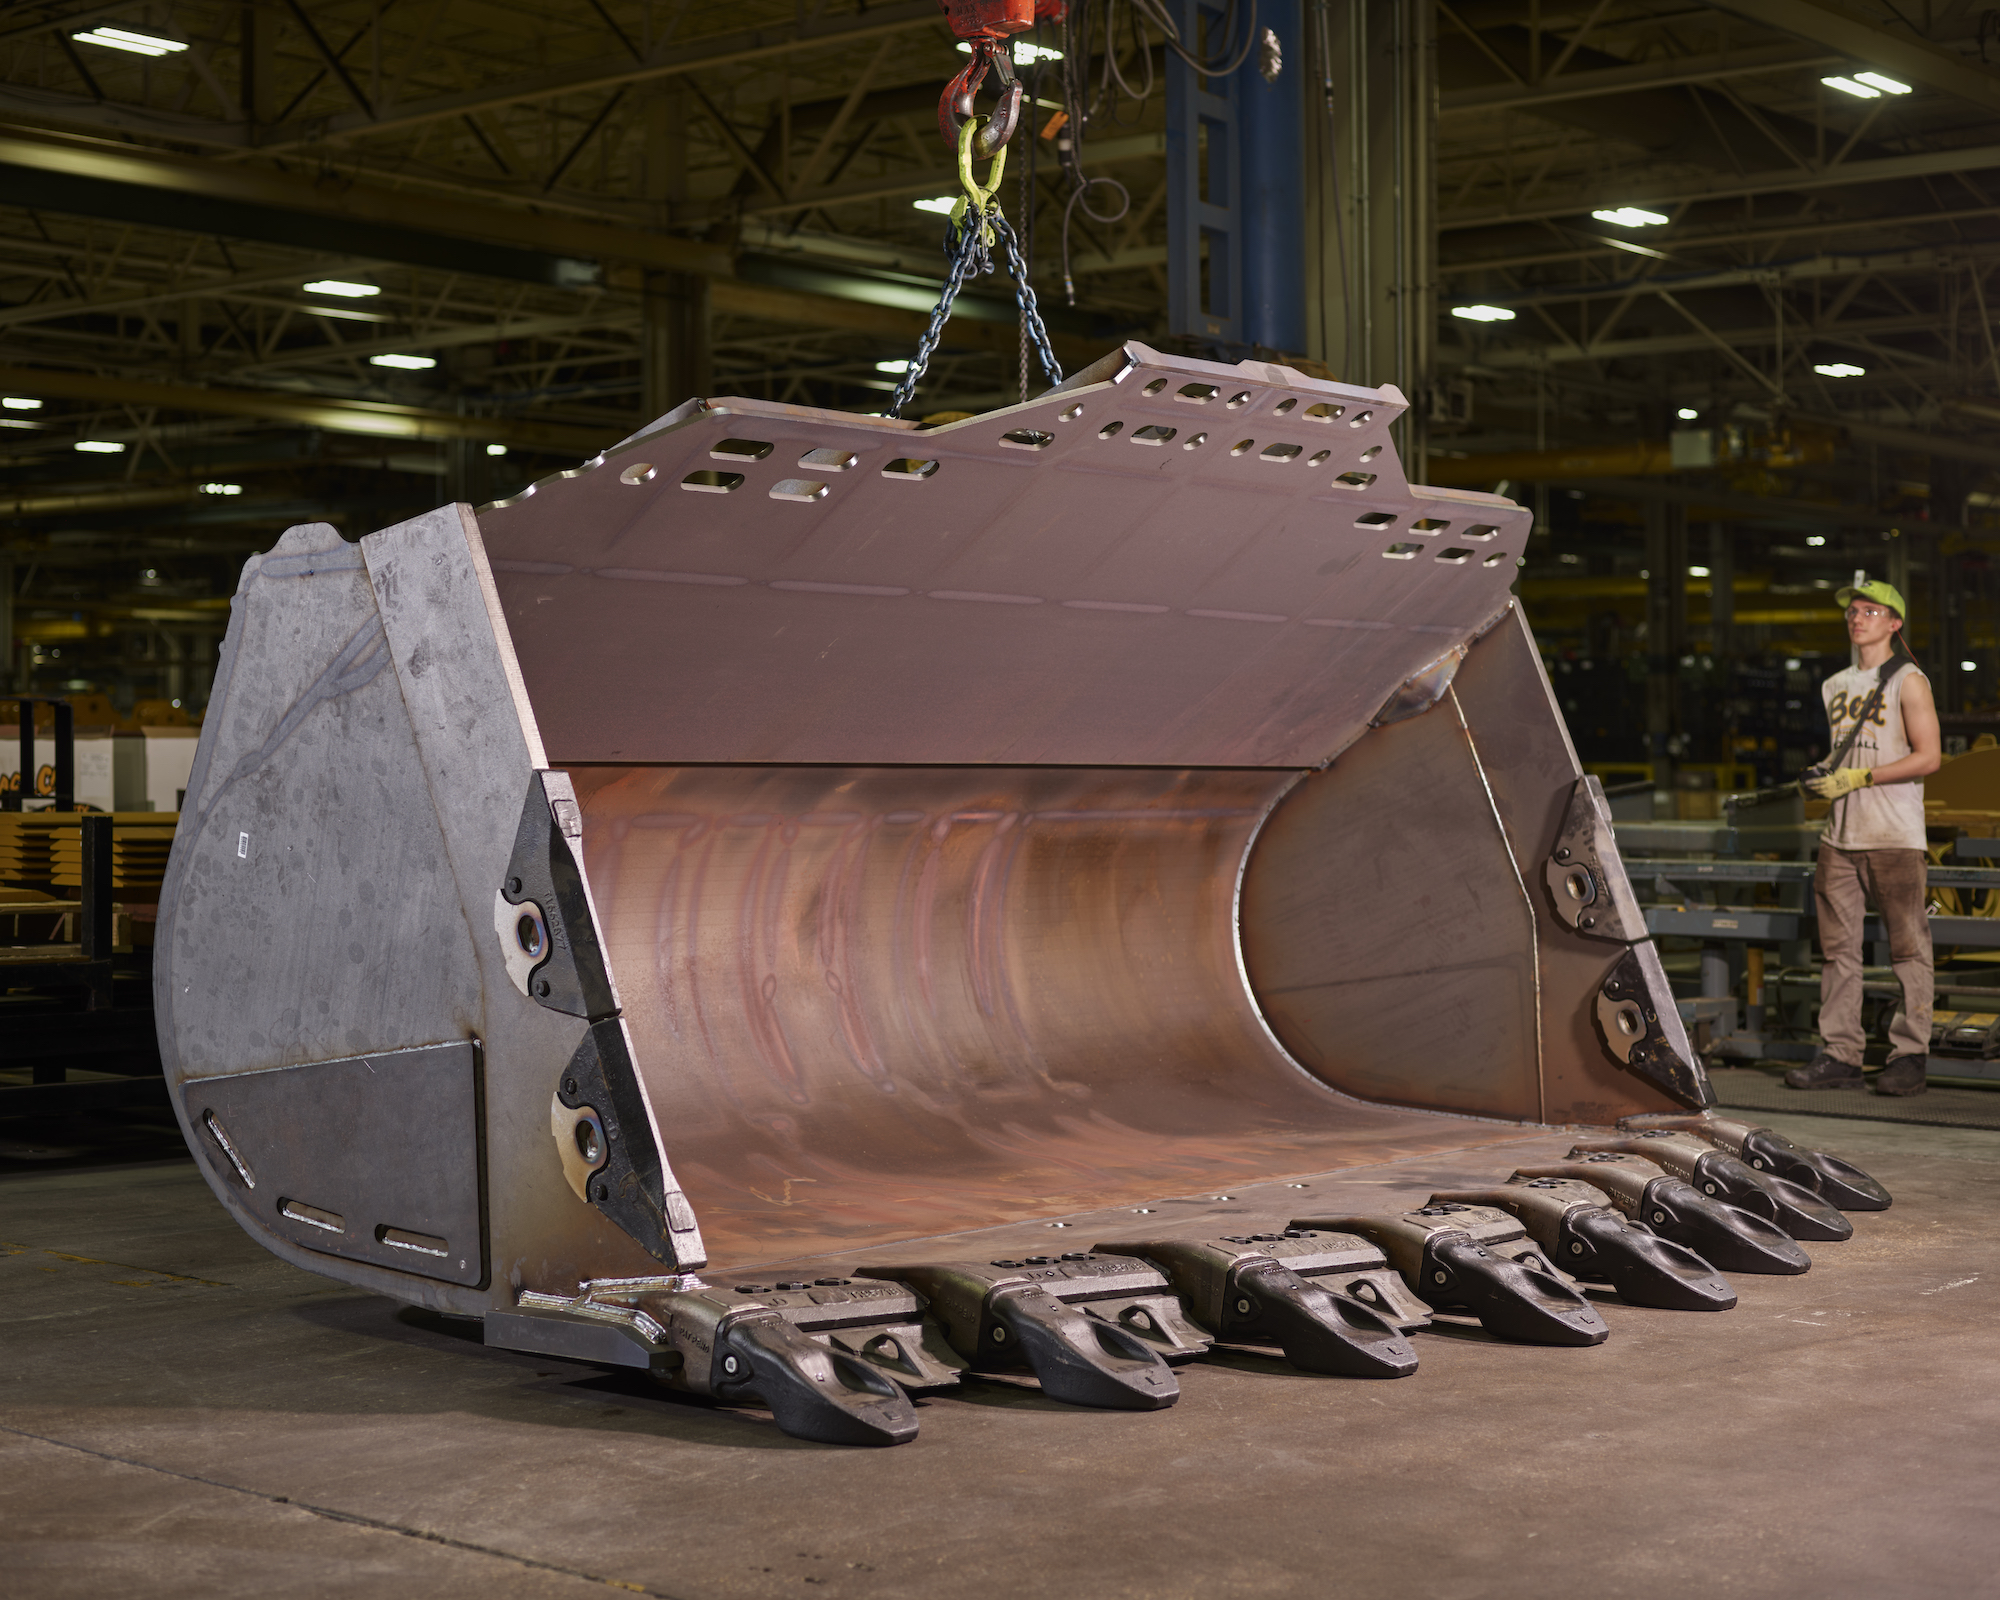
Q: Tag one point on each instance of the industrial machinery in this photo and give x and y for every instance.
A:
(639, 913)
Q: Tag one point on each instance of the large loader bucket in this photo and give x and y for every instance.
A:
(796, 833)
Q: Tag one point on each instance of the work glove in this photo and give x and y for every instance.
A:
(1842, 780)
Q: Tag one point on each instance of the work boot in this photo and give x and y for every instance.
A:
(1824, 1072)
(1903, 1075)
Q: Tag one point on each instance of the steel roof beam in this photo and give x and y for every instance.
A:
(1869, 43)
(1787, 180)
(1716, 68)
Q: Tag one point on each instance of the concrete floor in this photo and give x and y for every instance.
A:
(181, 1413)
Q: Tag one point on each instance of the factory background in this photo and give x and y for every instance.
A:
(1707, 287)
(852, 969)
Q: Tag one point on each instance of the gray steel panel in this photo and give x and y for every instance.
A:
(375, 1158)
(1098, 601)
(265, 895)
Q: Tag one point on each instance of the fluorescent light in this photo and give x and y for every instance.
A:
(100, 447)
(1483, 313)
(138, 44)
(1631, 217)
(222, 488)
(898, 367)
(1687, 413)
(1025, 54)
(1815, 539)
(1839, 369)
(1877, 80)
(404, 363)
(1697, 572)
(496, 449)
(1860, 91)
(940, 206)
(1791, 663)
(346, 314)
(1968, 666)
(346, 291)
(20, 402)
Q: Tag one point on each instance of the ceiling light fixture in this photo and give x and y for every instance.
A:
(1968, 666)
(20, 402)
(403, 363)
(339, 286)
(496, 449)
(100, 447)
(1631, 217)
(1815, 539)
(1839, 369)
(1860, 91)
(897, 367)
(138, 44)
(222, 488)
(938, 207)
(1687, 413)
(1697, 572)
(1483, 313)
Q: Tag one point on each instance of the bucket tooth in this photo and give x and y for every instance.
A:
(1249, 1289)
(1726, 1236)
(1095, 1330)
(819, 1354)
(1479, 1259)
(1839, 1183)
(813, 1391)
(1577, 1225)
(1720, 1176)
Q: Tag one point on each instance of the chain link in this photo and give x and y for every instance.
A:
(971, 256)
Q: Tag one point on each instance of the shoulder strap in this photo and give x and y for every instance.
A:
(1869, 707)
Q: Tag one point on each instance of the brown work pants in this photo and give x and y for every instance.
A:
(1846, 880)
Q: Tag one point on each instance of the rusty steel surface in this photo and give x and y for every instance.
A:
(1186, 564)
(873, 1003)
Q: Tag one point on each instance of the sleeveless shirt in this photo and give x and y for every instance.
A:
(1891, 817)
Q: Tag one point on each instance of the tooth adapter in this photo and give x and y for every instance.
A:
(1287, 1289)
(1839, 1183)
(1577, 1225)
(1095, 1330)
(1481, 1260)
(1723, 1235)
(1720, 1176)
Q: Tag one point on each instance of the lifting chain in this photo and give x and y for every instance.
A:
(974, 227)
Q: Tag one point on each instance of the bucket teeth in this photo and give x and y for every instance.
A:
(1720, 1176)
(1093, 1329)
(1726, 1236)
(1479, 1259)
(1645, 1269)
(1576, 1224)
(1254, 1289)
(813, 1391)
(819, 1354)
(1837, 1182)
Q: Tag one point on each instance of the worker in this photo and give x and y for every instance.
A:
(1884, 745)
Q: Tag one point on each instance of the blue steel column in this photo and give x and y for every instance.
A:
(1270, 117)
(1203, 139)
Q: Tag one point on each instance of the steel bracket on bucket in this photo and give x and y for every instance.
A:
(543, 914)
(1637, 1020)
(1585, 877)
(630, 1183)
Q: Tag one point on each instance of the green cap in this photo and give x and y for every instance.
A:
(1875, 589)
